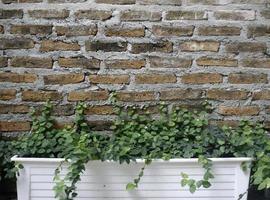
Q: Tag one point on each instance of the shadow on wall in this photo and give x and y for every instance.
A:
(8, 192)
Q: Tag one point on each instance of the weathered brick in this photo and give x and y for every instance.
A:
(9, 1)
(100, 125)
(109, 79)
(202, 78)
(66, 1)
(28, 1)
(122, 2)
(180, 94)
(125, 64)
(222, 123)
(160, 2)
(105, 46)
(50, 45)
(58, 110)
(14, 108)
(125, 31)
(245, 78)
(9, 126)
(49, 14)
(186, 15)
(200, 46)
(168, 31)
(169, 62)
(99, 110)
(165, 46)
(93, 14)
(3, 61)
(133, 15)
(238, 47)
(222, 94)
(261, 95)
(17, 77)
(63, 79)
(266, 13)
(2, 29)
(267, 110)
(130, 96)
(258, 31)
(256, 63)
(81, 62)
(155, 78)
(239, 111)
(11, 14)
(76, 30)
(219, 31)
(31, 29)
(7, 94)
(31, 62)
(235, 15)
(16, 43)
(213, 61)
(88, 95)
(40, 96)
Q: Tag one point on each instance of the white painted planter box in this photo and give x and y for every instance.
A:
(161, 180)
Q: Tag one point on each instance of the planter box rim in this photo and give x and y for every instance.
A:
(177, 160)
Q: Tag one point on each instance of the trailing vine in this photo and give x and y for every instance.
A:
(176, 133)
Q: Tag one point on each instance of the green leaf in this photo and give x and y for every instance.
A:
(130, 186)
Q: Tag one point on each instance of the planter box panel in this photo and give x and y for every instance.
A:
(161, 180)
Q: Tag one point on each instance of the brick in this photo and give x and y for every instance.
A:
(235, 15)
(7, 94)
(186, 15)
(17, 78)
(193, 46)
(132, 15)
(100, 125)
(2, 29)
(16, 43)
(213, 61)
(165, 47)
(222, 94)
(239, 111)
(256, 63)
(76, 30)
(88, 95)
(180, 94)
(131, 96)
(11, 14)
(267, 110)
(155, 78)
(31, 62)
(49, 14)
(12, 108)
(3, 61)
(31, 29)
(105, 46)
(40, 96)
(261, 95)
(59, 110)
(100, 110)
(169, 62)
(265, 13)
(125, 31)
(93, 14)
(258, 31)
(202, 78)
(29, 1)
(245, 78)
(238, 47)
(109, 79)
(9, 126)
(9, 1)
(121, 2)
(219, 31)
(49, 45)
(160, 2)
(81, 62)
(169, 31)
(63, 79)
(221, 123)
(125, 64)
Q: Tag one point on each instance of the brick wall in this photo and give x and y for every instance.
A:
(180, 52)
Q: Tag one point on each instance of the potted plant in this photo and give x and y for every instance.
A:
(176, 154)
